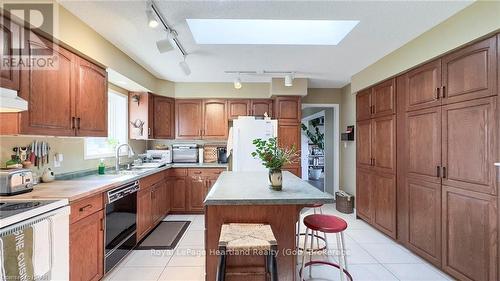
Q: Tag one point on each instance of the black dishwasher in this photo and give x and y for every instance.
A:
(121, 228)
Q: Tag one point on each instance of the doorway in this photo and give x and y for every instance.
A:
(320, 161)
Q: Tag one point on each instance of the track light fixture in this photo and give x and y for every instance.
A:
(289, 80)
(152, 21)
(184, 66)
(165, 45)
(237, 83)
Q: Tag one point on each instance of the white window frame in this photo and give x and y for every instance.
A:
(87, 155)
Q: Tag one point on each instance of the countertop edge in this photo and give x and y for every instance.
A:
(243, 202)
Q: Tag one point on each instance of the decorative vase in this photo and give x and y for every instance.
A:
(275, 178)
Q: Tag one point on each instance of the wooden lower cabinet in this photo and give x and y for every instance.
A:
(424, 219)
(470, 234)
(144, 216)
(87, 248)
(384, 199)
(196, 189)
(178, 185)
(364, 195)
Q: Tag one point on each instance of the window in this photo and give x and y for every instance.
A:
(117, 129)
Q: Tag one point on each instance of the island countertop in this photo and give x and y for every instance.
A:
(252, 188)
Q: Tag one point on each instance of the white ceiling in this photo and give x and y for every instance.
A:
(384, 26)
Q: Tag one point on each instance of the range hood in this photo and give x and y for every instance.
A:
(10, 102)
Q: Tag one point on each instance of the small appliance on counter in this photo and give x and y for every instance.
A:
(184, 153)
(161, 156)
(222, 155)
(15, 181)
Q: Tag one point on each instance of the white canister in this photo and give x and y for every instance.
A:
(200, 155)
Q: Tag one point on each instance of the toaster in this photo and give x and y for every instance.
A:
(15, 181)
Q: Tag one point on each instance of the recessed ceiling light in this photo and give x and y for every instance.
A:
(270, 32)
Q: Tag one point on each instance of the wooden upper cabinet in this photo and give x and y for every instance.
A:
(11, 44)
(384, 144)
(259, 107)
(188, 119)
(288, 109)
(384, 98)
(364, 105)
(424, 219)
(138, 112)
(469, 234)
(423, 86)
(91, 99)
(384, 203)
(364, 194)
(215, 122)
(50, 93)
(86, 248)
(470, 72)
(363, 144)
(238, 107)
(423, 144)
(288, 135)
(163, 117)
(469, 145)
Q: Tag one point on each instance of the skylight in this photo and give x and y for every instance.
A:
(270, 32)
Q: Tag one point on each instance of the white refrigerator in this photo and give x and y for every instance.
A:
(244, 131)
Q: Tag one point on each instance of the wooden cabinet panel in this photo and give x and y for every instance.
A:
(288, 135)
(294, 170)
(91, 99)
(196, 190)
(288, 109)
(423, 86)
(470, 72)
(156, 203)
(178, 194)
(50, 93)
(11, 43)
(259, 107)
(384, 203)
(469, 145)
(163, 117)
(215, 123)
(384, 98)
(86, 248)
(384, 144)
(188, 119)
(424, 219)
(144, 215)
(85, 207)
(364, 194)
(139, 112)
(423, 144)
(469, 234)
(363, 144)
(237, 108)
(364, 105)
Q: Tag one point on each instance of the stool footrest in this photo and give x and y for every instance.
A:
(315, 236)
(324, 263)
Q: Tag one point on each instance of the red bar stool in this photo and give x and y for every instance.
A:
(326, 224)
(317, 210)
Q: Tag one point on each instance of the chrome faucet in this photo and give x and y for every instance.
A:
(117, 155)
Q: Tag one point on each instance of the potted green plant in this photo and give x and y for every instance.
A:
(274, 158)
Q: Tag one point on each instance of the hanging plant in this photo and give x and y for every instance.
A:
(315, 136)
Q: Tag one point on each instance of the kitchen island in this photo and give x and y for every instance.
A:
(245, 197)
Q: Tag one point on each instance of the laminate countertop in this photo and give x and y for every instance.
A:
(78, 188)
(252, 188)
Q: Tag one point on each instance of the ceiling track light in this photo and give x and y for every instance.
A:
(288, 75)
(152, 22)
(237, 83)
(170, 30)
(289, 80)
(184, 66)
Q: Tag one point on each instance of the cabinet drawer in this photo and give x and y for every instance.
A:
(151, 180)
(205, 172)
(177, 172)
(85, 207)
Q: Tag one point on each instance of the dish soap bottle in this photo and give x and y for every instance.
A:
(101, 168)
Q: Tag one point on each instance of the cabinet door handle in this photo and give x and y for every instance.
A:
(73, 122)
(102, 224)
(437, 93)
(78, 123)
(444, 172)
(438, 171)
(86, 207)
(444, 91)
(149, 131)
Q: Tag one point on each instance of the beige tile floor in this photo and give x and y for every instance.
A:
(371, 256)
